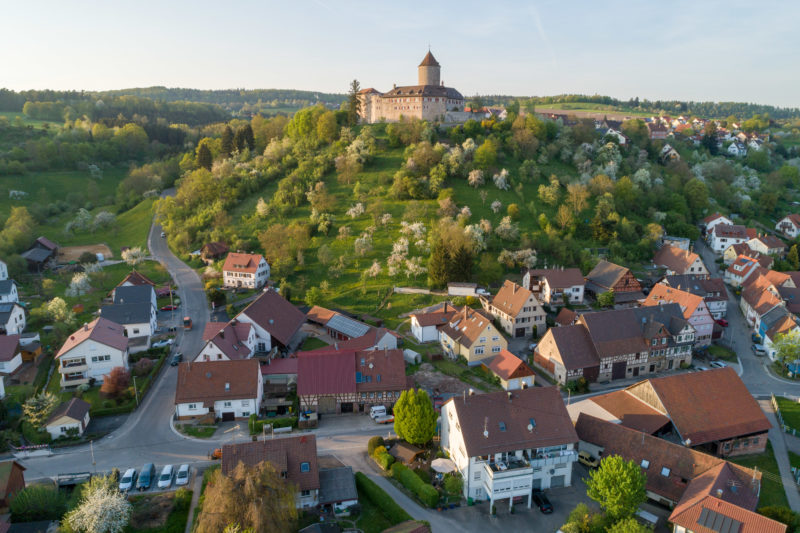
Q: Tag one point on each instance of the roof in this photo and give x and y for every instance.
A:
(215, 249)
(100, 330)
(674, 258)
(559, 278)
(347, 326)
(614, 332)
(631, 411)
(325, 373)
(466, 325)
(280, 365)
(575, 347)
(759, 297)
(661, 294)
(5, 473)
(709, 406)
(320, 315)
(706, 288)
(566, 317)
(424, 90)
(438, 317)
(684, 464)
(136, 278)
(128, 313)
(211, 329)
(731, 231)
(606, 274)
(231, 339)
(511, 298)
(287, 454)
(75, 409)
(236, 262)
(506, 365)
(9, 347)
(212, 381)
(5, 311)
(37, 255)
(47, 243)
(337, 485)
(405, 452)
(381, 370)
(709, 514)
(794, 218)
(777, 278)
(6, 285)
(275, 314)
(712, 218)
(367, 341)
(533, 418)
(429, 60)
(770, 241)
(129, 294)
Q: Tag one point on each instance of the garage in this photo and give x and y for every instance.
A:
(327, 404)
(557, 481)
(347, 407)
(520, 332)
(618, 370)
(229, 416)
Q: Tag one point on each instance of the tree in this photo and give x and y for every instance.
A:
(57, 310)
(414, 417)
(249, 137)
(204, 157)
(133, 256)
(115, 382)
(564, 216)
(606, 299)
(618, 486)
(437, 265)
(17, 231)
(353, 103)
(793, 258)
(486, 154)
(37, 408)
(102, 508)
(239, 140)
(489, 270)
(783, 515)
(227, 141)
(628, 525)
(787, 346)
(251, 497)
(38, 502)
(577, 196)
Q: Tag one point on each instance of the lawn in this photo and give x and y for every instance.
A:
(772, 492)
(790, 411)
(312, 343)
(471, 375)
(371, 519)
(721, 352)
(27, 121)
(200, 432)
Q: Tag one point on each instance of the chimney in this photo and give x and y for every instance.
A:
(524, 385)
(85, 326)
(222, 333)
(510, 395)
(471, 392)
(394, 86)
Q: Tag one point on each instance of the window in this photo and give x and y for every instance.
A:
(245, 403)
(226, 404)
(192, 406)
(479, 350)
(645, 464)
(495, 338)
(477, 475)
(245, 413)
(482, 339)
(304, 467)
(495, 349)
(305, 493)
(664, 340)
(665, 471)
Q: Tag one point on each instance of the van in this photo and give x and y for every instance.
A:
(146, 476)
(165, 479)
(376, 411)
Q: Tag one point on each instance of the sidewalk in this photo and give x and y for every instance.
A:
(196, 488)
(778, 440)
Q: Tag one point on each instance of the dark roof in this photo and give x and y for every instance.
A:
(215, 249)
(606, 274)
(424, 90)
(668, 315)
(286, 454)
(75, 409)
(280, 365)
(566, 317)
(99, 330)
(206, 381)
(136, 278)
(429, 60)
(631, 411)
(275, 314)
(331, 371)
(337, 485)
(540, 407)
(40, 526)
(9, 347)
(559, 278)
(734, 231)
(615, 332)
(47, 243)
(127, 313)
(129, 294)
(6, 285)
(5, 311)
(404, 452)
(231, 338)
(37, 255)
(575, 347)
(707, 288)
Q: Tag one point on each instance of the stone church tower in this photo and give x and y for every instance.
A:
(429, 71)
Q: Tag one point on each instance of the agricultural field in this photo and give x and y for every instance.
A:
(12, 117)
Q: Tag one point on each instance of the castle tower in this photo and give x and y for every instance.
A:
(429, 70)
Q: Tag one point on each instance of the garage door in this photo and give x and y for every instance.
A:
(618, 370)
(228, 417)
(520, 332)
(327, 405)
(537, 484)
(557, 481)
(347, 407)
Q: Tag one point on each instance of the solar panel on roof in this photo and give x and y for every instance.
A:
(718, 522)
(347, 326)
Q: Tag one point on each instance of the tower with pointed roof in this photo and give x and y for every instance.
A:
(429, 71)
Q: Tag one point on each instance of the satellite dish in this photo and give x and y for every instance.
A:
(486, 433)
(530, 427)
(370, 365)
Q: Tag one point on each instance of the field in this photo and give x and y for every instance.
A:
(790, 411)
(68, 254)
(12, 116)
(598, 111)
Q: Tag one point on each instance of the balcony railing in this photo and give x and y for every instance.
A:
(508, 468)
(554, 458)
(73, 363)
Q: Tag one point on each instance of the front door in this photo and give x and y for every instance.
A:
(347, 407)
(520, 332)
(618, 370)
(635, 371)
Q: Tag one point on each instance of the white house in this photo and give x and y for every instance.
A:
(556, 286)
(3, 271)
(425, 325)
(275, 320)
(138, 320)
(789, 225)
(712, 220)
(12, 318)
(723, 235)
(91, 352)
(69, 417)
(245, 270)
(228, 389)
(737, 149)
(2, 387)
(507, 443)
(512, 371)
(10, 353)
(8, 291)
(227, 341)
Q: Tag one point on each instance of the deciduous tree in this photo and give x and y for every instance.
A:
(37, 408)
(115, 382)
(414, 417)
(102, 509)
(787, 347)
(618, 486)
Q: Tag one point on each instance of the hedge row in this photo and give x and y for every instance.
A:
(426, 493)
(257, 426)
(393, 512)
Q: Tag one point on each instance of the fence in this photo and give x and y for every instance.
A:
(786, 429)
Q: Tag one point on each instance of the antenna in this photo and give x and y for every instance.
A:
(486, 427)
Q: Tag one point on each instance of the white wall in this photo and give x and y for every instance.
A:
(12, 296)
(56, 432)
(191, 409)
(516, 383)
(10, 366)
(424, 334)
(241, 408)
(3, 271)
(261, 335)
(16, 321)
(97, 368)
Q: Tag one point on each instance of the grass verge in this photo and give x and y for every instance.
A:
(772, 492)
(790, 411)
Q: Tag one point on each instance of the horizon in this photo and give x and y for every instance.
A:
(698, 52)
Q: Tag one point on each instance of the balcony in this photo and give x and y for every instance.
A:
(73, 380)
(554, 458)
(76, 365)
(509, 468)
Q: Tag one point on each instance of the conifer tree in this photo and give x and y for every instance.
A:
(227, 141)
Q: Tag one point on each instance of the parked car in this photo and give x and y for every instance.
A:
(722, 322)
(146, 477)
(169, 307)
(700, 368)
(759, 349)
(588, 459)
(183, 475)
(161, 344)
(542, 502)
(384, 419)
(718, 364)
(163, 235)
(376, 411)
(128, 480)
(755, 337)
(177, 358)
(165, 479)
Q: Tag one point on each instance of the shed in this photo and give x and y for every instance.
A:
(462, 289)
(404, 452)
(412, 357)
(337, 487)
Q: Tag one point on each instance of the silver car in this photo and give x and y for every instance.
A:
(183, 475)
(128, 480)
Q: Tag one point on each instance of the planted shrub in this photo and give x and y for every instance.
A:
(393, 512)
(426, 493)
(373, 443)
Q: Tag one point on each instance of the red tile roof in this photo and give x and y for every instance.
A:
(506, 365)
(712, 218)
(206, 382)
(99, 330)
(280, 365)
(9, 347)
(275, 314)
(320, 315)
(675, 259)
(437, 317)
(511, 298)
(734, 231)
(231, 339)
(325, 373)
(661, 293)
(794, 218)
(566, 317)
(236, 262)
(136, 278)
(631, 411)
(466, 326)
(211, 329)
(287, 454)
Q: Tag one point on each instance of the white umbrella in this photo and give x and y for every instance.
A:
(443, 465)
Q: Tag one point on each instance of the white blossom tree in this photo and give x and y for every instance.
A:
(262, 208)
(133, 256)
(475, 178)
(496, 206)
(58, 311)
(104, 219)
(79, 285)
(102, 509)
(414, 267)
(363, 244)
(356, 210)
(374, 270)
(501, 180)
(507, 230)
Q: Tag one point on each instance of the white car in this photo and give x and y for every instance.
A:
(128, 480)
(183, 475)
(165, 479)
(161, 344)
(718, 364)
(700, 368)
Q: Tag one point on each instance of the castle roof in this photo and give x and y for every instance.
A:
(424, 90)
(429, 60)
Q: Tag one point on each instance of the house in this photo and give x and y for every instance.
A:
(133, 279)
(617, 344)
(250, 271)
(620, 137)
(8, 291)
(470, 334)
(294, 457)
(707, 493)
(789, 225)
(668, 153)
(228, 389)
(554, 286)
(138, 320)
(758, 298)
(566, 317)
(608, 277)
(337, 325)
(374, 339)
(505, 444)
(741, 270)
(213, 251)
(227, 341)
(768, 245)
(737, 149)
(276, 321)
(735, 250)
(12, 318)
(462, 289)
(42, 251)
(723, 235)
(657, 130)
(12, 480)
(684, 243)
(10, 354)
(425, 324)
(3, 270)
(774, 322)
(91, 352)
(711, 411)
(333, 380)
(708, 223)
(694, 309)
(711, 290)
(337, 489)
(516, 308)
(512, 371)
(678, 261)
(69, 419)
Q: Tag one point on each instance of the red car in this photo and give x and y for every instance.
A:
(169, 307)
(722, 322)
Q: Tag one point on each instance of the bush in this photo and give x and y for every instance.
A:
(453, 483)
(143, 367)
(390, 509)
(382, 457)
(423, 474)
(256, 427)
(426, 493)
(34, 436)
(38, 502)
(373, 443)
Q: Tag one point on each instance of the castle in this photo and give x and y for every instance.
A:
(428, 100)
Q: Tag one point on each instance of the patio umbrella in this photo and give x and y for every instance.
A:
(443, 465)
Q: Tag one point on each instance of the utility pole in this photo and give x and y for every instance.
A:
(136, 391)
(94, 464)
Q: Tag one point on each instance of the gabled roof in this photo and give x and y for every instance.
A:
(6, 285)
(287, 454)
(794, 218)
(707, 288)
(9, 347)
(566, 317)
(136, 278)
(334, 371)
(778, 279)
(511, 298)
(506, 365)
(320, 315)
(37, 255)
(129, 294)
(439, 316)
(631, 411)
(215, 249)
(674, 258)
(5, 474)
(770, 241)
(712, 218)
(127, 313)
(559, 278)
(514, 420)
(661, 294)
(784, 326)
(236, 262)
(211, 381)
(6, 309)
(575, 347)
(730, 231)
(47, 243)
(275, 314)
(76, 409)
(614, 332)
(466, 326)
(337, 485)
(100, 330)
(758, 294)
(347, 326)
(606, 274)
(368, 341)
(231, 339)
(280, 365)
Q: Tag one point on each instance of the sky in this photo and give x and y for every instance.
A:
(685, 50)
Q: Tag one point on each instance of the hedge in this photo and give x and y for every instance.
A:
(373, 443)
(393, 512)
(383, 459)
(426, 493)
(256, 426)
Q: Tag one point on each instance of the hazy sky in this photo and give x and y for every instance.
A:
(690, 50)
